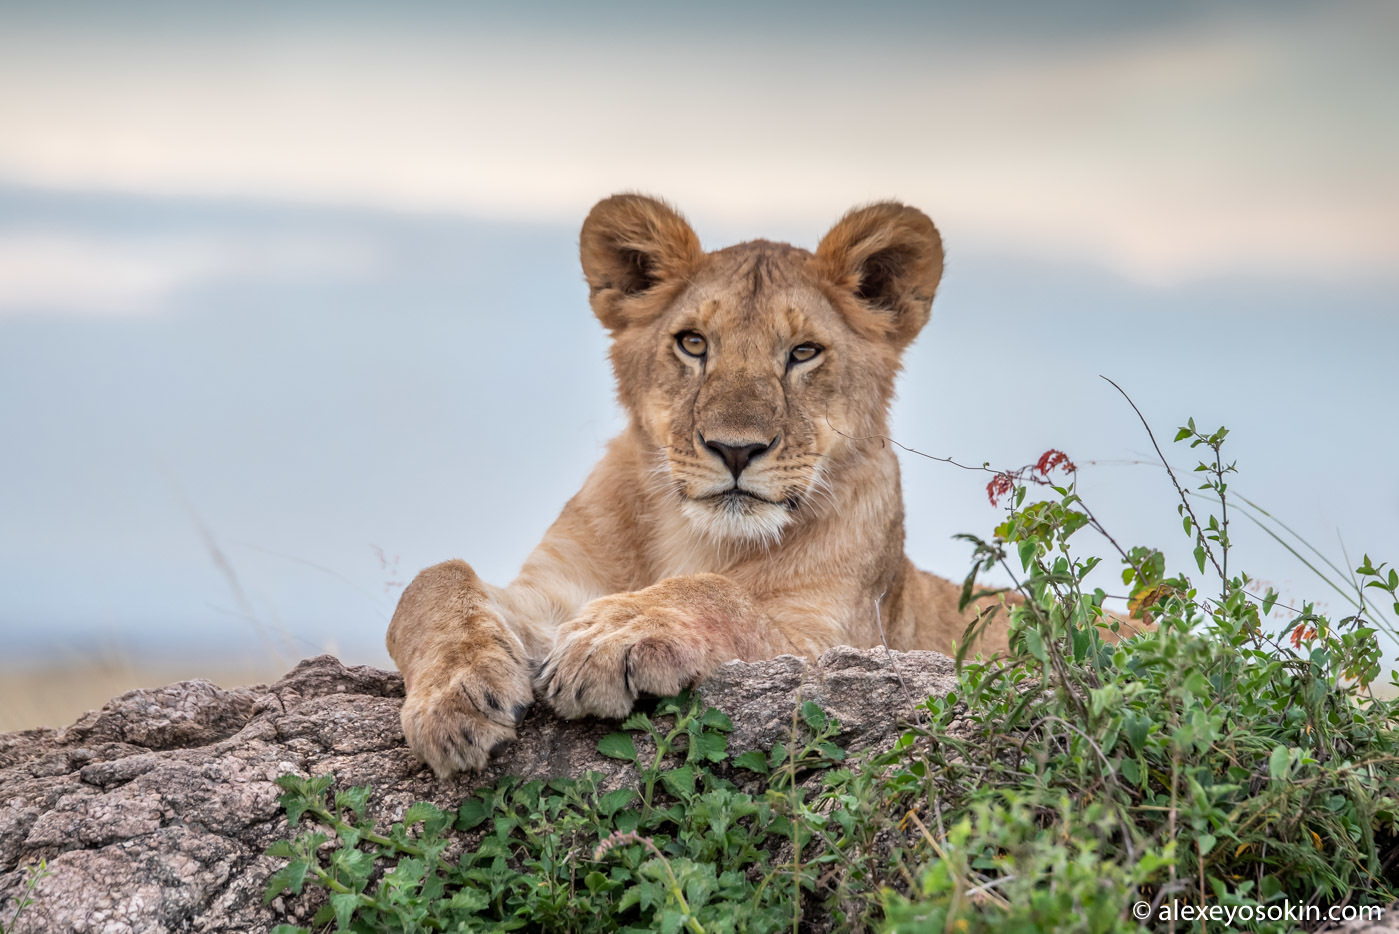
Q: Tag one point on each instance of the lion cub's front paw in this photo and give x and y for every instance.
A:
(619, 647)
(456, 717)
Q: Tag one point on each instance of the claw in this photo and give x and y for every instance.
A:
(456, 725)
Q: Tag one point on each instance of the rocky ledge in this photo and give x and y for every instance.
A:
(153, 813)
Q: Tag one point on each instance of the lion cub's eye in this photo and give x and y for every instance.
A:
(692, 343)
(804, 352)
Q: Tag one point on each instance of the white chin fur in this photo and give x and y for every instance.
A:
(743, 520)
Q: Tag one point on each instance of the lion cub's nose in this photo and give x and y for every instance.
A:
(737, 456)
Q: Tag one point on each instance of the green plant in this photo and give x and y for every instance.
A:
(32, 875)
(1091, 769)
(1203, 760)
(684, 848)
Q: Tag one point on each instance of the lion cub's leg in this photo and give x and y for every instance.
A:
(659, 640)
(466, 672)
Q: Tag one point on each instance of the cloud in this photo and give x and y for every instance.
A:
(1183, 151)
(44, 271)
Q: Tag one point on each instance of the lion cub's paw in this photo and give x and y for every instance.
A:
(457, 717)
(619, 648)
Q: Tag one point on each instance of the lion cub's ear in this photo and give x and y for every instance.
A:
(635, 251)
(888, 258)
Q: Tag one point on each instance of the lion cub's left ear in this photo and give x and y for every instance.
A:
(636, 252)
(887, 257)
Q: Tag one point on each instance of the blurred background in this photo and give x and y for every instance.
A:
(290, 304)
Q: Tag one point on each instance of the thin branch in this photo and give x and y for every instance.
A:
(1199, 535)
(985, 467)
(1224, 532)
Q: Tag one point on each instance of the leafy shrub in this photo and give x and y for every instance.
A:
(685, 849)
(1203, 761)
(1061, 787)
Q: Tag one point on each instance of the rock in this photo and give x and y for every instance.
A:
(1368, 920)
(153, 813)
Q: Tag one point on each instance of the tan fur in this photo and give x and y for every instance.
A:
(659, 570)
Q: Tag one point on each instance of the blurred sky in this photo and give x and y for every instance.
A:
(290, 304)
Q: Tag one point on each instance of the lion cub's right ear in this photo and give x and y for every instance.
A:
(636, 252)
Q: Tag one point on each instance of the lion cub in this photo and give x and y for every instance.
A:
(749, 509)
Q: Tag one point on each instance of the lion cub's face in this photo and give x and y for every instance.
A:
(756, 371)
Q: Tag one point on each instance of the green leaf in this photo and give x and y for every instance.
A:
(344, 905)
(1206, 842)
(673, 705)
(716, 719)
(679, 782)
(1152, 861)
(1027, 550)
(1136, 726)
(1200, 557)
(472, 813)
(1131, 771)
(292, 783)
(428, 814)
(814, 716)
(469, 900)
(289, 877)
(295, 804)
(638, 721)
(652, 893)
(595, 881)
(356, 799)
(354, 865)
(614, 801)
(1277, 763)
(711, 746)
(408, 872)
(1035, 643)
(1196, 684)
(618, 746)
(753, 760)
(282, 849)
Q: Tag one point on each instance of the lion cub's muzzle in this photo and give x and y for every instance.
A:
(736, 456)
